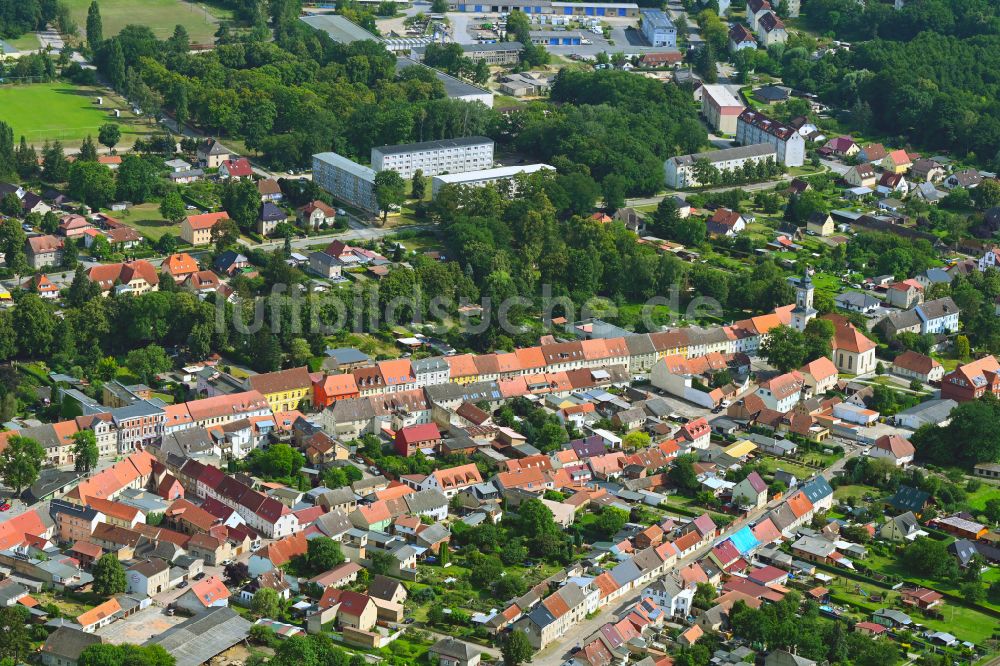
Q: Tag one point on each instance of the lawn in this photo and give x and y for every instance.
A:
(26, 42)
(160, 16)
(146, 219)
(856, 491)
(70, 113)
(771, 464)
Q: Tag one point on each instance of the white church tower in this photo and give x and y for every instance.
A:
(803, 311)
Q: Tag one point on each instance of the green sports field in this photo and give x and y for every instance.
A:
(50, 111)
(200, 20)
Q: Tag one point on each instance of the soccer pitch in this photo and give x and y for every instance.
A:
(50, 111)
(161, 16)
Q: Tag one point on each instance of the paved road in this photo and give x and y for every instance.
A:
(754, 187)
(361, 232)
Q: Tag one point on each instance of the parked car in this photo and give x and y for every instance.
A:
(182, 585)
(199, 576)
(5, 506)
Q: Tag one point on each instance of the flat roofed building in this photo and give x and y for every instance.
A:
(485, 176)
(346, 180)
(679, 171)
(469, 153)
(496, 53)
(721, 108)
(629, 9)
(658, 29)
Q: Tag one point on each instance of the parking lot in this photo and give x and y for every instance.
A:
(139, 628)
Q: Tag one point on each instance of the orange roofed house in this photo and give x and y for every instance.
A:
(180, 266)
(197, 229)
(135, 277)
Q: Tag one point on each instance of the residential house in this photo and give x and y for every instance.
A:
(971, 380)
(42, 251)
(316, 214)
(820, 224)
(203, 595)
(750, 493)
(927, 171)
(269, 190)
(179, 266)
(236, 168)
(771, 30)
(197, 229)
(212, 154)
(135, 277)
(64, 646)
(450, 651)
(843, 146)
(897, 161)
(905, 294)
(741, 38)
(269, 217)
(725, 222)
(819, 376)
(781, 393)
(914, 365)
(148, 577)
(862, 175)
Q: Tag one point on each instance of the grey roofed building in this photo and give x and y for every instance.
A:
(473, 392)
(339, 28)
(348, 355)
(334, 524)
(187, 442)
(455, 651)
(817, 489)
(639, 345)
(433, 145)
(452, 87)
(909, 499)
(936, 309)
(425, 501)
(963, 550)
(814, 546)
(856, 301)
(626, 572)
(895, 322)
(937, 276)
(933, 411)
(199, 639)
(894, 616)
(430, 364)
(782, 517)
(383, 587)
(52, 483)
(11, 591)
(64, 645)
(741, 152)
(75, 511)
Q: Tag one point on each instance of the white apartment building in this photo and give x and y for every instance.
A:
(470, 153)
(753, 127)
(679, 171)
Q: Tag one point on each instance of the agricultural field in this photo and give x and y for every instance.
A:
(200, 20)
(70, 113)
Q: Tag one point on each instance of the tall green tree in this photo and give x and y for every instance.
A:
(95, 26)
(15, 642)
(137, 179)
(390, 189)
(25, 159)
(516, 649)
(88, 151)
(8, 163)
(109, 134)
(116, 65)
(21, 462)
(109, 576)
(418, 185)
(85, 451)
(172, 207)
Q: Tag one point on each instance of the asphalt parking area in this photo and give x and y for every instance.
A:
(140, 627)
